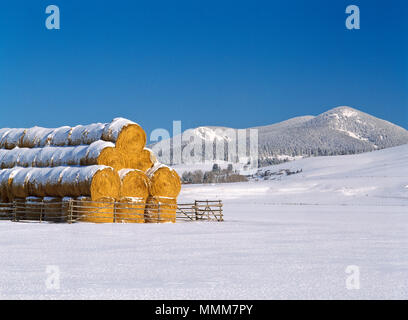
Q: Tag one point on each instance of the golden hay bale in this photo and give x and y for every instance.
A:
(131, 139)
(94, 181)
(160, 210)
(99, 211)
(53, 209)
(119, 129)
(134, 183)
(130, 210)
(164, 181)
(105, 184)
(143, 160)
(33, 209)
(111, 157)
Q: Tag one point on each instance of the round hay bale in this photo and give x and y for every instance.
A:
(94, 181)
(130, 210)
(131, 139)
(164, 181)
(33, 209)
(105, 183)
(160, 210)
(59, 136)
(35, 137)
(144, 160)
(100, 211)
(134, 183)
(98, 153)
(4, 185)
(12, 138)
(10, 158)
(111, 157)
(86, 134)
(17, 183)
(53, 209)
(48, 181)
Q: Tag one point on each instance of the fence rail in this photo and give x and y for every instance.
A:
(111, 212)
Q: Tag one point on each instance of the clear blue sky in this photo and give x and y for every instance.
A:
(233, 63)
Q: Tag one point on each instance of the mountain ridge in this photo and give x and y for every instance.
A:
(341, 130)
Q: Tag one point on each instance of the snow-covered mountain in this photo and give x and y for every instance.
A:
(342, 130)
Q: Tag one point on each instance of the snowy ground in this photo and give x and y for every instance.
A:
(284, 239)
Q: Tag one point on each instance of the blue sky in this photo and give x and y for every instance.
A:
(232, 63)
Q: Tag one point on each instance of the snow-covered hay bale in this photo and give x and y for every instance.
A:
(4, 185)
(119, 130)
(53, 209)
(160, 210)
(130, 210)
(34, 137)
(94, 181)
(98, 153)
(11, 138)
(18, 188)
(131, 139)
(164, 181)
(86, 134)
(101, 211)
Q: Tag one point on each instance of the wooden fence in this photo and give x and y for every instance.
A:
(111, 212)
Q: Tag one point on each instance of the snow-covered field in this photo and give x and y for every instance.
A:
(282, 239)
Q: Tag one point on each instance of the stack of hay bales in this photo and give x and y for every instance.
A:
(102, 168)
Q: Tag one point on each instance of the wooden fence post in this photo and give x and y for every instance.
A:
(14, 211)
(158, 211)
(114, 212)
(196, 209)
(70, 211)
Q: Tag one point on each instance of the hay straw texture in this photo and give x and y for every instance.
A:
(164, 181)
(94, 181)
(120, 131)
(130, 210)
(129, 136)
(143, 160)
(160, 210)
(87, 210)
(134, 183)
(97, 153)
(134, 192)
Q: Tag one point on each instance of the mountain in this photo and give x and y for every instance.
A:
(342, 130)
